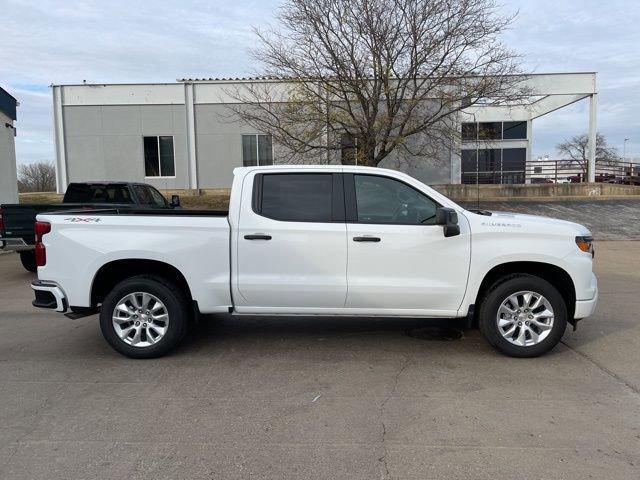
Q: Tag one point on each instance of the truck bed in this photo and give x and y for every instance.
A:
(194, 242)
(19, 218)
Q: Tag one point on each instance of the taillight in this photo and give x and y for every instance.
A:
(41, 228)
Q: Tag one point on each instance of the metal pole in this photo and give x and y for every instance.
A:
(192, 152)
(591, 166)
(60, 139)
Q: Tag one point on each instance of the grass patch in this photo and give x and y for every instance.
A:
(205, 202)
(40, 197)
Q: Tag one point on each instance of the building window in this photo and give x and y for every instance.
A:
(159, 158)
(494, 165)
(490, 131)
(257, 150)
(514, 162)
(515, 131)
(494, 131)
(349, 149)
(469, 132)
(469, 160)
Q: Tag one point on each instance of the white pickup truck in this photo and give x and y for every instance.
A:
(317, 240)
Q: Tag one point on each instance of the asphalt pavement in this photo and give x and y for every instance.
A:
(319, 398)
(607, 219)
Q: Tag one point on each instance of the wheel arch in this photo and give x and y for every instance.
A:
(112, 273)
(555, 275)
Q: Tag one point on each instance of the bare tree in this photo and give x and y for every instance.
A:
(37, 177)
(377, 75)
(576, 149)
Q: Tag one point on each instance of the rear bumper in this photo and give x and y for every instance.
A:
(49, 295)
(586, 308)
(17, 244)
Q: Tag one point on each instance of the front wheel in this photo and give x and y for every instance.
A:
(144, 317)
(523, 316)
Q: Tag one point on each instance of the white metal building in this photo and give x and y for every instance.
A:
(182, 135)
(8, 180)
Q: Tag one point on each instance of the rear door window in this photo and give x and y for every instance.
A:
(97, 193)
(297, 197)
(144, 197)
(157, 197)
(118, 194)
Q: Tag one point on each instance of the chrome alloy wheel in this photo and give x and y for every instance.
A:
(140, 319)
(525, 318)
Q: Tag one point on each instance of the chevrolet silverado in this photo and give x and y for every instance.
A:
(317, 240)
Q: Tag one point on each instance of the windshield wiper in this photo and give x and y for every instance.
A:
(479, 211)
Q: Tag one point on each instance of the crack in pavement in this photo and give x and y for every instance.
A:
(604, 369)
(383, 459)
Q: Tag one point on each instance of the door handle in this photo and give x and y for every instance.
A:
(257, 236)
(366, 239)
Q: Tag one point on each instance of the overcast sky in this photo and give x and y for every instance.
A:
(69, 41)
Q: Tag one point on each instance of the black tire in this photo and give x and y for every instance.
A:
(489, 305)
(28, 259)
(169, 294)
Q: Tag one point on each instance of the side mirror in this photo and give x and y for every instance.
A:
(448, 218)
(175, 201)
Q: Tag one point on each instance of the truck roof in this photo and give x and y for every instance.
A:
(106, 182)
(334, 168)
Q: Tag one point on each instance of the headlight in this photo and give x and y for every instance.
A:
(585, 243)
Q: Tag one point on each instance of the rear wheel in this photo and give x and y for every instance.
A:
(523, 316)
(144, 317)
(28, 259)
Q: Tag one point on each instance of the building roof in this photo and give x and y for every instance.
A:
(8, 104)
(234, 79)
(285, 78)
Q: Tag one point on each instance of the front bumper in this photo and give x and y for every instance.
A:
(586, 308)
(49, 295)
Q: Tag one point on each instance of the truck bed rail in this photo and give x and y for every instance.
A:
(146, 212)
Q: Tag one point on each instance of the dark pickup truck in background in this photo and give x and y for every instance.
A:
(17, 220)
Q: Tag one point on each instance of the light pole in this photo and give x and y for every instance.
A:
(624, 149)
(624, 158)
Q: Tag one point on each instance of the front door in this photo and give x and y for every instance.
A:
(399, 261)
(292, 248)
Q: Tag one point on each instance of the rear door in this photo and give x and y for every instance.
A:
(399, 261)
(291, 243)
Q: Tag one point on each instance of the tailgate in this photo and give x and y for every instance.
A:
(18, 221)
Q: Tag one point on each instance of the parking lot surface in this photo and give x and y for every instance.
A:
(607, 219)
(311, 398)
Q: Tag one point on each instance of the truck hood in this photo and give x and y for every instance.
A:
(530, 222)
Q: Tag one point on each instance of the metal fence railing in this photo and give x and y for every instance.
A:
(554, 171)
